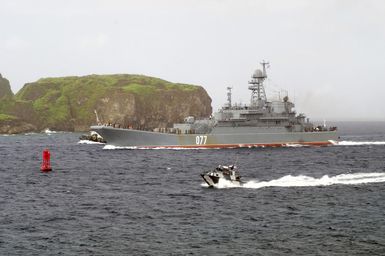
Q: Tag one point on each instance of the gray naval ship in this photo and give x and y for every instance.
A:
(261, 123)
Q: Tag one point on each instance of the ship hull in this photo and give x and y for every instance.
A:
(231, 139)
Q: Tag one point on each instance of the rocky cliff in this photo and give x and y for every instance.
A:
(70, 103)
(5, 88)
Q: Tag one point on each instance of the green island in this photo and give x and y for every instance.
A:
(70, 103)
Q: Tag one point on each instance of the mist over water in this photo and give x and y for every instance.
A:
(100, 201)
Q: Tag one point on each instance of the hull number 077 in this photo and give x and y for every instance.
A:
(201, 139)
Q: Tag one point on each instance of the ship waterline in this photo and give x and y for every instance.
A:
(146, 139)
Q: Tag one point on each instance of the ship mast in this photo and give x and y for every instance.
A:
(97, 117)
(229, 96)
(258, 95)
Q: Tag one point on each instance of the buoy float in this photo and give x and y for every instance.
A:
(46, 165)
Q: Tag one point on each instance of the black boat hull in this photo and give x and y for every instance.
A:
(210, 179)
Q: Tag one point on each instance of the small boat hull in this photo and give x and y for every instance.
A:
(210, 180)
(226, 173)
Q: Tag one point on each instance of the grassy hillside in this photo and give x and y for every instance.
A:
(64, 101)
(5, 117)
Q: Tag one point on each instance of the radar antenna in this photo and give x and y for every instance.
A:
(258, 94)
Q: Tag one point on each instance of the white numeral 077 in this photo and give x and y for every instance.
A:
(200, 140)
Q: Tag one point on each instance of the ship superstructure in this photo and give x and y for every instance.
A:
(278, 115)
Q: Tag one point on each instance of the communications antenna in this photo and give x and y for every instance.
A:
(258, 94)
(229, 96)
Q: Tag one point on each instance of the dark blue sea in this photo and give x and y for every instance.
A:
(96, 201)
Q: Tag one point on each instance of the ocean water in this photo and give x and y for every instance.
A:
(97, 201)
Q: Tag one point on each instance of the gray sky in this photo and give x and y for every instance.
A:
(329, 55)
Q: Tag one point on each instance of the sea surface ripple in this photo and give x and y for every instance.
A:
(296, 200)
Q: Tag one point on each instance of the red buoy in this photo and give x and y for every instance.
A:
(46, 165)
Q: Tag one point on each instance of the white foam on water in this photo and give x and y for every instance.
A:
(222, 183)
(48, 131)
(155, 148)
(30, 133)
(306, 181)
(89, 142)
(294, 145)
(111, 147)
(359, 143)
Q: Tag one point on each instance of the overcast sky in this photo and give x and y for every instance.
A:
(329, 55)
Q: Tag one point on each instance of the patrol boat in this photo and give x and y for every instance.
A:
(261, 123)
(229, 173)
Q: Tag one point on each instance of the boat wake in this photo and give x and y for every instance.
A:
(153, 148)
(359, 143)
(89, 142)
(306, 181)
(294, 145)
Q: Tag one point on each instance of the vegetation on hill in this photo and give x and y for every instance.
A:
(68, 103)
(5, 117)
(5, 88)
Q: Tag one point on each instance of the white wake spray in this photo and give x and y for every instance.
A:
(306, 181)
(49, 132)
(89, 142)
(112, 147)
(359, 143)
